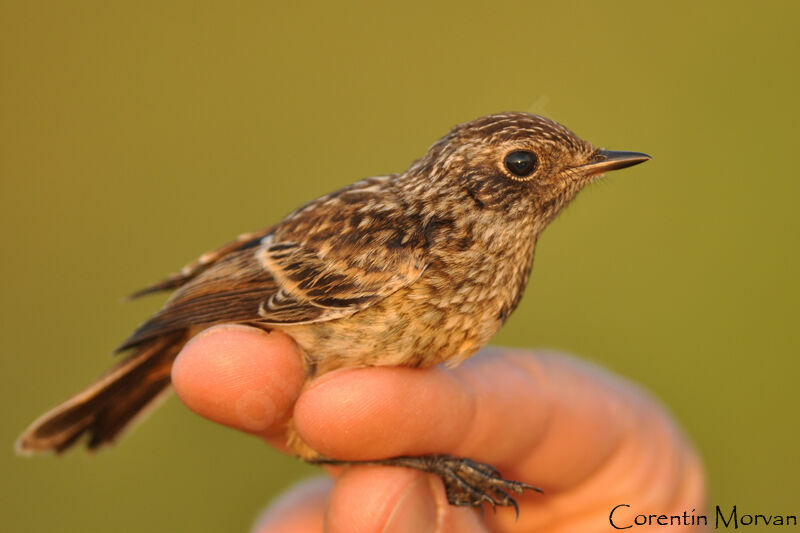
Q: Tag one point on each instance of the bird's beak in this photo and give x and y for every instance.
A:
(605, 160)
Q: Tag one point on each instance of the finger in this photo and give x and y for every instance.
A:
(550, 415)
(300, 510)
(374, 499)
(241, 377)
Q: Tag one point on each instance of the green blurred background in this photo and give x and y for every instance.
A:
(134, 136)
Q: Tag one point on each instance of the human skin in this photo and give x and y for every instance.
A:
(589, 439)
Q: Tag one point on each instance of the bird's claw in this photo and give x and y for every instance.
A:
(466, 482)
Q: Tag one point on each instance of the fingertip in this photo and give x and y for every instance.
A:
(239, 376)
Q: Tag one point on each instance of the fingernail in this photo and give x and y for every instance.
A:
(416, 510)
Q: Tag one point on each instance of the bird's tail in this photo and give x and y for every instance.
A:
(110, 404)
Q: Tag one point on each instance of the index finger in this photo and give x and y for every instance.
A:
(551, 416)
(241, 377)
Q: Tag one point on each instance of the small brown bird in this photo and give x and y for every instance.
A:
(411, 269)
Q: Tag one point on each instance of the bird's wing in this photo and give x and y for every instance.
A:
(202, 263)
(284, 283)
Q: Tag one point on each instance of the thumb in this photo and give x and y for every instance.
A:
(379, 499)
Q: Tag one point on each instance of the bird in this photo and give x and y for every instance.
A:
(414, 269)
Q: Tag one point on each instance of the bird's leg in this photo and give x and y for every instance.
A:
(466, 482)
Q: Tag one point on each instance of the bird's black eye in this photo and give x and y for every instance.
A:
(521, 163)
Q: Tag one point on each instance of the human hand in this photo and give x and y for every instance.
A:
(591, 440)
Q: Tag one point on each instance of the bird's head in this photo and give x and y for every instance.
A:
(523, 164)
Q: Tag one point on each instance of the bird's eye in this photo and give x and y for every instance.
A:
(521, 163)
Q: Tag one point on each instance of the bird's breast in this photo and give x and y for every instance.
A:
(445, 316)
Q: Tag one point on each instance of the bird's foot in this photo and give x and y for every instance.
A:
(466, 482)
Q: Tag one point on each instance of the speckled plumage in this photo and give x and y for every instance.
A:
(412, 269)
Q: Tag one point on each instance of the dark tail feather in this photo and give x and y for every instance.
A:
(110, 404)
